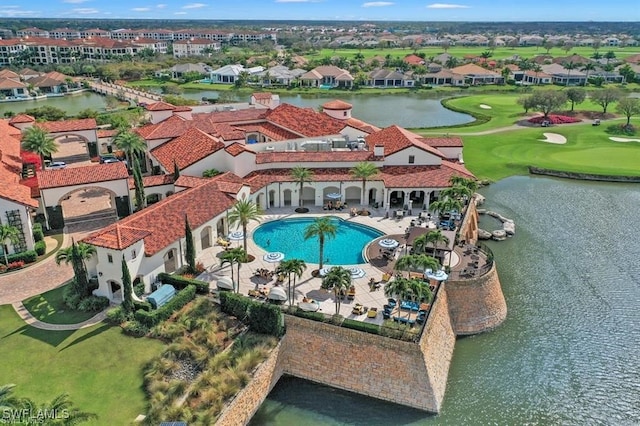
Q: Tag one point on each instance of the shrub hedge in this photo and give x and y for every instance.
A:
(260, 317)
(38, 234)
(179, 282)
(149, 319)
(93, 304)
(314, 316)
(361, 326)
(234, 304)
(28, 256)
(40, 248)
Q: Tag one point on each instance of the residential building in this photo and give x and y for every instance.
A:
(327, 76)
(390, 78)
(228, 74)
(475, 74)
(194, 47)
(280, 75)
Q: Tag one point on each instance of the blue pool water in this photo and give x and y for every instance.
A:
(287, 236)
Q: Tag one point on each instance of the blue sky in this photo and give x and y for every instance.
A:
(403, 10)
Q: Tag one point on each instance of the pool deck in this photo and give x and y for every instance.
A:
(309, 286)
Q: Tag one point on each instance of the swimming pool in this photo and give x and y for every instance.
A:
(287, 236)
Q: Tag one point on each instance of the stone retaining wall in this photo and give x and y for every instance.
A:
(469, 226)
(477, 304)
(583, 176)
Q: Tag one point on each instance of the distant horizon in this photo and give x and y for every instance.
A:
(499, 11)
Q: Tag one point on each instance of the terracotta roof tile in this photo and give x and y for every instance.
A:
(422, 176)
(182, 108)
(22, 118)
(271, 131)
(11, 166)
(395, 139)
(163, 223)
(262, 96)
(337, 105)
(185, 150)
(451, 141)
(82, 175)
(68, 125)
(361, 125)
(322, 156)
(473, 69)
(151, 181)
(160, 106)
(190, 181)
(236, 149)
(304, 121)
(107, 133)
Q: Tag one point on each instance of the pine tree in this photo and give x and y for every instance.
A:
(190, 249)
(127, 298)
(139, 185)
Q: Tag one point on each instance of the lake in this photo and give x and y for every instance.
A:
(569, 351)
(71, 104)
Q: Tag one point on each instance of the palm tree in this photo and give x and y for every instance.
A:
(537, 69)
(37, 140)
(286, 268)
(59, 404)
(7, 400)
(234, 256)
(415, 261)
(609, 56)
(131, 143)
(364, 171)
(243, 212)
(569, 66)
(301, 175)
(298, 266)
(85, 250)
(322, 228)
(397, 288)
(588, 68)
(339, 280)
(11, 233)
(435, 238)
(457, 191)
(417, 291)
(462, 181)
(450, 204)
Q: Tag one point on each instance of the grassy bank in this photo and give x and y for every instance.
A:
(49, 307)
(99, 367)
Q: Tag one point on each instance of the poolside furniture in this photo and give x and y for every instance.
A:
(409, 305)
(223, 243)
(358, 309)
(351, 294)
(386, 277)
(392, 303)
(372, 313)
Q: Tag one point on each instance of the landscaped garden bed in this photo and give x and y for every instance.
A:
(50, 307)
(554, 119)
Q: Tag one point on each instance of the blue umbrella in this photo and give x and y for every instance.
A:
(273, 257)
(334, 195)
(236, 236)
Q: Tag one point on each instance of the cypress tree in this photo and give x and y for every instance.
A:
(127, 298)
(190, 250)
(139, 186)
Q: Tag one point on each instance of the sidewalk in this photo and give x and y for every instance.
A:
(30, 320)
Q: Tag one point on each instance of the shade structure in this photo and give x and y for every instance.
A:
(312, 306)
(236, 236)
(324, 271)
(388, 243)
(277, 293)
(334, 195)
(356, 272)
(273, 257)
(225, 283)
(439, 275)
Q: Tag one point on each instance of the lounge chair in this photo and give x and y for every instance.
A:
(372, 313)
(351, 294)
(358, 309)
(386, 277)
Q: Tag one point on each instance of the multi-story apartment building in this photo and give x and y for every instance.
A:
(32, 32)
(95, 32)
(194, 47)
(65, 33)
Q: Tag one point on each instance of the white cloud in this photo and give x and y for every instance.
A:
(194, 6)
(377, 4)
(180, 13)
(15, 12)
(141, 9)
(447, 6)
(85, 11)
(161, 6)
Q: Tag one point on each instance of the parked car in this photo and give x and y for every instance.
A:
(596, 122)
(57, 165)
(110, 160)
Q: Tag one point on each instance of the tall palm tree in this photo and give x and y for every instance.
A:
(298, 266)
(415, 261)
(301, 175)
(588, 67)
(243, 212)
(463, 181)
(86, 251)
(457, 192)
(417, 291)
(435, 238)
(131, 143)
(339, 280)
(7, 400)
(321, 227)
(364, 171)
(235, 256)
(450, 204)
(37, 140)
(286, 268)
(10, 233)
(569, 66)
(397, 288)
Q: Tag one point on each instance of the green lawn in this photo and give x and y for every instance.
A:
(99, 367)
(588, 150)
(49, 307)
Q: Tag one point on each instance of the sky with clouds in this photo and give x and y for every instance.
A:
(405, 10)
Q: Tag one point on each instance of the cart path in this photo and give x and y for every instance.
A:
(33, 322)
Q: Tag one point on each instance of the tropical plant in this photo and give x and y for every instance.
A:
(435, 238)
(77, 255)
(301, 175)
(295, 268)
(321, 227)
(86, 251)
(8, 401)
(588, 67)
(364, 171)
(397, 288)
(190, 249)
(59, 405)
(10, 233)
(569, 66)
(416, 261)
(127, 298)
(418, 291)
(243, 212)
(235, 256)
(337, 279)
(131, 143)
(37, 140)
(456, 180)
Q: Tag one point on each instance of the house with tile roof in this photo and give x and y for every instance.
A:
(390, 78)
(327, 76)
(475, 74)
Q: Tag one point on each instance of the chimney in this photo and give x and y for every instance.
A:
(378, 150)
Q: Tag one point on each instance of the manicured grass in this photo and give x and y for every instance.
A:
(588, 150)
(59, 240)
(49, 307)
(99, 367)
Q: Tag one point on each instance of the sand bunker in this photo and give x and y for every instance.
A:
(554, 138)
(483, 106)
(615, 139)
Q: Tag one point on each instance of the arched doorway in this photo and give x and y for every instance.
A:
(396, 199)
(417, 197)
(352, 195)
(221, 227)
(272, 198)
(309, 196)
(170, 261)
(89, 204)
(205, 238)
(286, 195)
(373, 192)
(116, 290)
(74, 149)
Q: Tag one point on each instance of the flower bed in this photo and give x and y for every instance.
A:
(554, 119)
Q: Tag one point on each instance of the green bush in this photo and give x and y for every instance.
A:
(265, 318)
(138, 289)
(28, 256)
(179, 282)
(38, 234)
(40, 248)
(234, 304)
(116, 316)
(149, 319)
(71, 298)
(314, 316)
(144, 306)
(361, 326)
(93, 304)
(134, 328)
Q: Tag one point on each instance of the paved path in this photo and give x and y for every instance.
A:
(128, 92)
(32, 321)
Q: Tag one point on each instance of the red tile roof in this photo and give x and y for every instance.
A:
(413, 60)
(82, 175)
(175, 126)
(182, 108)
(11, 166)
(337, 105)
(395, 139)
(271, 131)
(185, 150)
(237, 148)
(260, 178)
(160, 106)
(304, 121)
(190, 181)
(107, 133)
(450, 141)
(150, 181)
(68, 125)
(163, 223)
(22, 118)
(361, 125)
(322, 156)
(422, 176)
(262, 96)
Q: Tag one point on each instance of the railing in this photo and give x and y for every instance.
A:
(461, 275)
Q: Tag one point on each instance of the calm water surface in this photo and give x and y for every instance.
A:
(71, 104)
(569, 351)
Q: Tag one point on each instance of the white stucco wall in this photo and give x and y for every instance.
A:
(90, 135)
(7, 205)
(51, 196)
(422, 158)
(451, 153)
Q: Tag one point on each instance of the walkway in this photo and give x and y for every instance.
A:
(129, 93)
(30, 320)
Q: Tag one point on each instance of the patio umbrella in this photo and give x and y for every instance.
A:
(439, 275)
(357, 272)
(225, 283)
(334, 195)
(388, 243)
(277, 293)
(236, 236)
(324, 271)
(273, 257)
